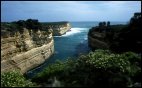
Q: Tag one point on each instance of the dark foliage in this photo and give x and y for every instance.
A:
(97, 69)
(122, 38)
(29, 24)
(19, 25)
(129, 38)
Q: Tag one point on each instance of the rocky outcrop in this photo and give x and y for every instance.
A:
(25, 50)
(97, 44)
(59, 28)
(118, 38)
(96, 41)
(100, 37)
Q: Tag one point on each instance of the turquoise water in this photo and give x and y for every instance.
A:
(70, 44)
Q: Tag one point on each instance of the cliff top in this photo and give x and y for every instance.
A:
(121, 37)
(56, 23)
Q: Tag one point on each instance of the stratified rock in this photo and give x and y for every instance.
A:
(26, 50)
(59, 28)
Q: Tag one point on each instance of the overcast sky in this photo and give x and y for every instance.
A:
(46, 11)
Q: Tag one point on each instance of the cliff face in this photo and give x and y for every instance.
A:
(62, 29)
(103, 37)
(96, 40)
(59, 28)
(118, 38)
(95, 43)
(25, 50)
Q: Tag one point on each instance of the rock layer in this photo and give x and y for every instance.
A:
(59, 28)
(26, 50)
(97, 40)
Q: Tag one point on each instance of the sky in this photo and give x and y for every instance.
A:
(53, 11)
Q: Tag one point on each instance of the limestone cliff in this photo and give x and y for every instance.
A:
(59, 28)
(25, 50)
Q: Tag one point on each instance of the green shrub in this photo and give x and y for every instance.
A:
(101, 68)
(14, 79)
(54, 70)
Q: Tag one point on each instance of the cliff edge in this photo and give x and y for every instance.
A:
(59, 28)
(118, 38)
(25, 50)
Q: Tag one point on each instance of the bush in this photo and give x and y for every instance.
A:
(101, 68)
(14, 79)
(58, 69)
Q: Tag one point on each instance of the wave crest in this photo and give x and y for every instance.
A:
(73, 31)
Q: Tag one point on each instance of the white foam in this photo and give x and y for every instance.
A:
(85, 37)
(73, 31)
(57, 36)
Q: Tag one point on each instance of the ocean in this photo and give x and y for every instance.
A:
(71, 44)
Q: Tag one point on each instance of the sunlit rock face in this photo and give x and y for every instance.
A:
(59, 28)
(25, 50)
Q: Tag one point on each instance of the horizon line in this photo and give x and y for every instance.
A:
(68, 21)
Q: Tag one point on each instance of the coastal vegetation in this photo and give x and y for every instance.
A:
(55, 23)
(10, 28)
(101, 68)
(15, 79)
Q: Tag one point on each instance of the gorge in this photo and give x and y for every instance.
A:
(71, 44)
(26, 47)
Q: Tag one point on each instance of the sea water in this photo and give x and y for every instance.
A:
(71, 44)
